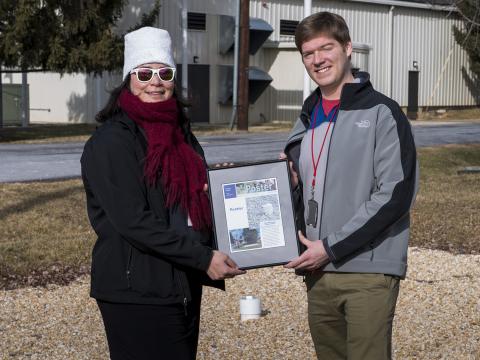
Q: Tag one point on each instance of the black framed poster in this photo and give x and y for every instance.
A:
(252, 213)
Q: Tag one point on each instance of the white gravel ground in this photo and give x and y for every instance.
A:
(438, 316)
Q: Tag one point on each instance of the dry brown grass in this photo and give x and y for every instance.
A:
(55, 133)
(46, 133)
(45, 236)
(447, 211)
(451, 114)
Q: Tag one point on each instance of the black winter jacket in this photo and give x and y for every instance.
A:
(138, 257)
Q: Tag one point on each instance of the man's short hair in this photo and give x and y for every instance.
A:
(322, 23)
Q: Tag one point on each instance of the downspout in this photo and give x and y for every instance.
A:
(25, 112)
(184, 50)
(235, 66)
(390, 53)
(307, 10)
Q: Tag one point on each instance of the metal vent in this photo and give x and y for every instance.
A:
(196, 21)
(258, 81)
(260, 30)
(287, 27)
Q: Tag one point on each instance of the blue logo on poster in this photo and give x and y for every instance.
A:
(229, 191)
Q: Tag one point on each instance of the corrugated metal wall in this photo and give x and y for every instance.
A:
(421, 35)
(426, 37)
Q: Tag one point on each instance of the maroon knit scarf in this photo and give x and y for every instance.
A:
(181, 169)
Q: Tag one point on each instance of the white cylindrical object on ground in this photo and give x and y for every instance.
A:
(250, 308)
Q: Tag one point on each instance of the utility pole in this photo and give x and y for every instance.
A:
(242, 123)
(235, 66)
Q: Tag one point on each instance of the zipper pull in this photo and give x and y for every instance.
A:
(185, 303)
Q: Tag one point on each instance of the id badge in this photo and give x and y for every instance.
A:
(312, 213)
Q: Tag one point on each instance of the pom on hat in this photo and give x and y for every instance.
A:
(147, 45)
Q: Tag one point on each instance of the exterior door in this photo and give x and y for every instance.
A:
(198, 91)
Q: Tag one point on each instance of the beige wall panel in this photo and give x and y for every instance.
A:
(66, 97)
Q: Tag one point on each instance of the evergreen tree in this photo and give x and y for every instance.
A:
(469, 38)
(64, 36)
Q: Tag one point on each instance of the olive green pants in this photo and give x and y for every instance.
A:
(351, 315)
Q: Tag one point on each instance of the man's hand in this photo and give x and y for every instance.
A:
(222, 267)
(314, 257)
(293, 173)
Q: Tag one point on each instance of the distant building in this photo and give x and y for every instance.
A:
(391, 38)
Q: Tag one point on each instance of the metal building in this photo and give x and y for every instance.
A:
(391, 39)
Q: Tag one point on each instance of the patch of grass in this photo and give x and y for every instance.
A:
(45, 236)
(451, 114)
(40, 133)
(446, 215)
(274, 126)
(52, 133)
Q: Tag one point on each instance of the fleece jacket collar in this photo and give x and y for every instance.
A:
(351, 93)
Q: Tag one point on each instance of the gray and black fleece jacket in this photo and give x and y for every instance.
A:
(371, 179)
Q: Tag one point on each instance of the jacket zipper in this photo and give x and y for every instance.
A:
(130, 255)
(185, 300)
(325, 180)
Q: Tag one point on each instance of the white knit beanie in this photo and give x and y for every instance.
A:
(147, 45)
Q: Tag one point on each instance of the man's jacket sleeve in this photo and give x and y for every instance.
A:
(396, 177)
(113, 174)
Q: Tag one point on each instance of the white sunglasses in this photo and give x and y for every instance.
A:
(146, 74)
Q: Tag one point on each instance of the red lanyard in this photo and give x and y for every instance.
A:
(315, 163)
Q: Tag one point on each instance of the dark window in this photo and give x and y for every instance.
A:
(287, 27)
(196, 21)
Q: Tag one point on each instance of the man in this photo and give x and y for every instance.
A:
(354, 172)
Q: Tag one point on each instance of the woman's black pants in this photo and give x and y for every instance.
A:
(150, 332)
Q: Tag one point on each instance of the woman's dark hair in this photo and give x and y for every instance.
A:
(112, 108)
(322, 23)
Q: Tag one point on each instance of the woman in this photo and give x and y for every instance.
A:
(145, 182)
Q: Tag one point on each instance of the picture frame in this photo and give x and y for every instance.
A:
(253, 216)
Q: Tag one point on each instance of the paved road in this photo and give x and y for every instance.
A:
(26, 162)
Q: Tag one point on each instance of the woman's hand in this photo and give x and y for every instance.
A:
(222, 267)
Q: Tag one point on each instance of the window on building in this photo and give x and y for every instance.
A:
(287, 27)
(196, 21)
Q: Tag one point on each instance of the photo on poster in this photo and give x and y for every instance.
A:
(254, 219)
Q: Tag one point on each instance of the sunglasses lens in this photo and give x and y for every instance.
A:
(166, 74)
(144, 74)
